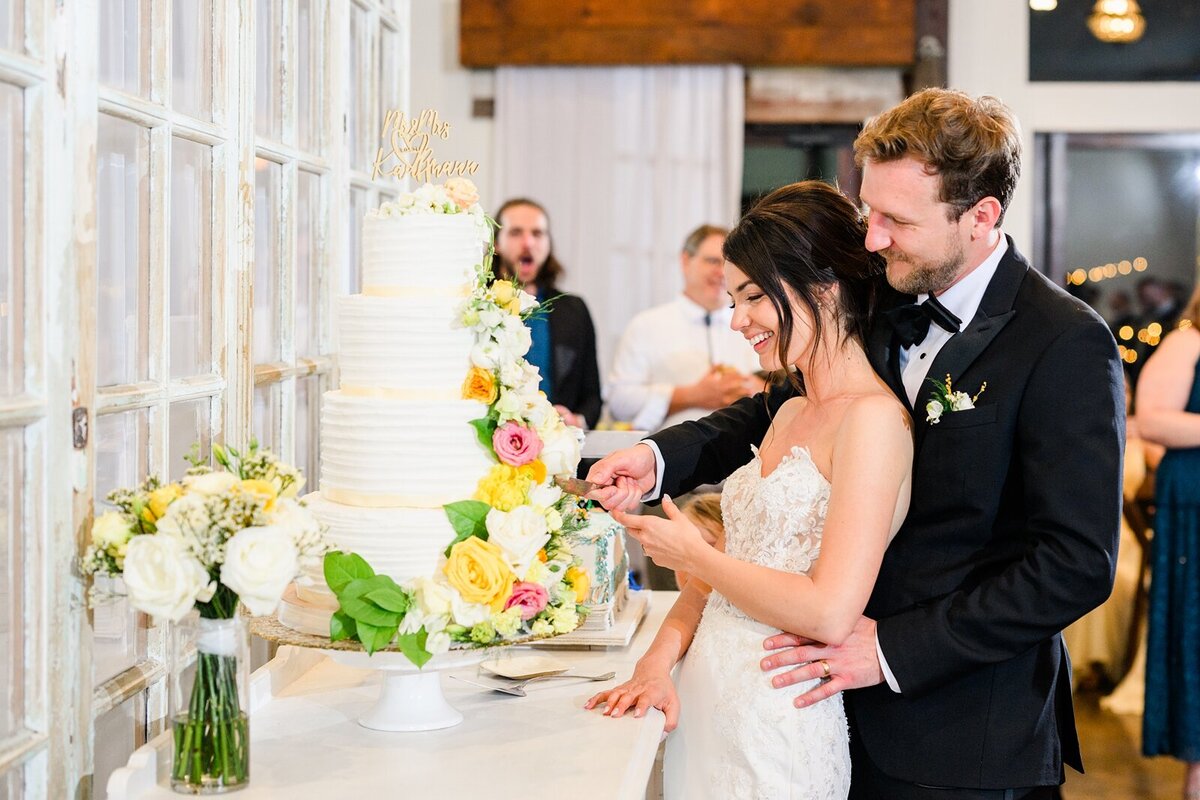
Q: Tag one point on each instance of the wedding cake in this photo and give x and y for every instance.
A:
(438, 451)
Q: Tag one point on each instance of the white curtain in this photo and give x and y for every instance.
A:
(627, 161)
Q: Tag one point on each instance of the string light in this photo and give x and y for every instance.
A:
(1117, 21)
(1102, 272)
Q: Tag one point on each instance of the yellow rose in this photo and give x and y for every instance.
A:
(259, 488)
(504, 487)
(504, 292)
(477, 570)
(480, 385)
(580, 582)
(160, 498)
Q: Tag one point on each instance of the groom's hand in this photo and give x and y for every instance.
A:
(851, 665)
(625, 476)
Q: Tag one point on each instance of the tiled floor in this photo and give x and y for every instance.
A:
(1116, 769)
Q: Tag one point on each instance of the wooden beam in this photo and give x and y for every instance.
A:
(750, 32)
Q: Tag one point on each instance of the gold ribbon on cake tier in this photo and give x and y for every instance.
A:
(417, 292)
(431, 395)
(379, 500)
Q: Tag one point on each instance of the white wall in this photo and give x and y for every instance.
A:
(989, 54)
(438, 81)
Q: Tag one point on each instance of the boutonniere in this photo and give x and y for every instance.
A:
(944, 399)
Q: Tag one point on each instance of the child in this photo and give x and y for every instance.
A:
(705, 511)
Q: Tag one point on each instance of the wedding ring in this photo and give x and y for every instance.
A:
(825, 669)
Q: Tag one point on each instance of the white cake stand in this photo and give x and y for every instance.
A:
(410, 699)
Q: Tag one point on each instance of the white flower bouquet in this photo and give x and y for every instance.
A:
(208, 542)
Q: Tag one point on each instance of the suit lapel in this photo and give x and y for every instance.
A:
(995, 311)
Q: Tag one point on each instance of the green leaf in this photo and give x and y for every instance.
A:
(354, 602)
(342, 568)
(341, 626)
(413, 646)
(485, 428)
(389, 597)
(468, 518)
(375, 637)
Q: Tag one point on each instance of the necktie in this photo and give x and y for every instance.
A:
(911, 321)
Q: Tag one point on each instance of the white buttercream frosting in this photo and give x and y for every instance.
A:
(436, 252)
(412, 453)
(406, 343)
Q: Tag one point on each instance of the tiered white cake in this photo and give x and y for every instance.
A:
(396, 443)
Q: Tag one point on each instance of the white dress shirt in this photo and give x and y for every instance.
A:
(667, 346)
(962, 300)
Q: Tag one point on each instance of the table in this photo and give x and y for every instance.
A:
(306, 744)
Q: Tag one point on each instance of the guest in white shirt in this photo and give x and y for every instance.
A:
(680, 360)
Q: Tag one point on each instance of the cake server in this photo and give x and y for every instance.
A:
(576, 486)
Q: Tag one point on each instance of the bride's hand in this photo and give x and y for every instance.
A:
(641, 693)
(671, 543)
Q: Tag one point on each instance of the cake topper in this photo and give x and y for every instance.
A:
(406, 151)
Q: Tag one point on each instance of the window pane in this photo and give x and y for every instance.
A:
(308, 260)
(267, 116)
(121, 52)
(351, 278)
(191, 47)
(389, 75)
(118, 733)
(12, 785)
(308, 411)
(266, 416)
(361, 62)
(267, 178)
(12, 240)
(12, 683)
(191, 259)
(11, 24)
(122, 460)
(122, 223)
(308, 88)
(191, 423)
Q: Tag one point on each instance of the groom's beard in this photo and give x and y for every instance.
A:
(925, 276)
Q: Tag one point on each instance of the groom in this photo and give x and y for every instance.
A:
(957, 679)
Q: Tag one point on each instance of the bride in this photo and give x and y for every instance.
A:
(807, 519)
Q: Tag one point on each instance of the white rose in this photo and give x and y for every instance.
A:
(431, 596)
(513, 336)
(519, 533)
(528, 302)
(561, 451)
(961, 401)
(545, 495)
(259, 564)
(468, 614)
(485, 354)
(512, 373)
(406, 201)
(437, 643)
(303, 527)
(111, 529)
(210, 483)
(933, 411)
(163, 579)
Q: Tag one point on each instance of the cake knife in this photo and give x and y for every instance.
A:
(576, 486)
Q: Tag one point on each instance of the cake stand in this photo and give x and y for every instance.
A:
(410, 698)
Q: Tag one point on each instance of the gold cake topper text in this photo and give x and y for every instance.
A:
(406, 151)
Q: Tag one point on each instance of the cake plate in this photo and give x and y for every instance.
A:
(410, 697)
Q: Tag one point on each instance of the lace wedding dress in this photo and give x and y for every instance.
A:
(739, 737)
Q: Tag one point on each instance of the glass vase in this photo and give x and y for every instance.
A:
(209, 703)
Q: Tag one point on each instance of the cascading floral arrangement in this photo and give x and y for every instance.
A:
(509, 572)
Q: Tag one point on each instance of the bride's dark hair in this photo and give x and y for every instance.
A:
(808, 236)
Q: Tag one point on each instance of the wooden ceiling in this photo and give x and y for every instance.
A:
(748, 32)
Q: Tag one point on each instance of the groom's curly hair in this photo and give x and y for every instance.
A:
(804, 239)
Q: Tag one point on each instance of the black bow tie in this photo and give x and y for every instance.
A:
(911, 320)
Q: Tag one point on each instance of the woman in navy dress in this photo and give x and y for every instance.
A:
(1168, 397)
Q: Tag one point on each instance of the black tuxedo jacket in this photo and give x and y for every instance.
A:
(1011, 536)
(573, 358)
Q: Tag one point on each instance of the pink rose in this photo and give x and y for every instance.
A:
(462, 192)
(530, 597)
(515, 444)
